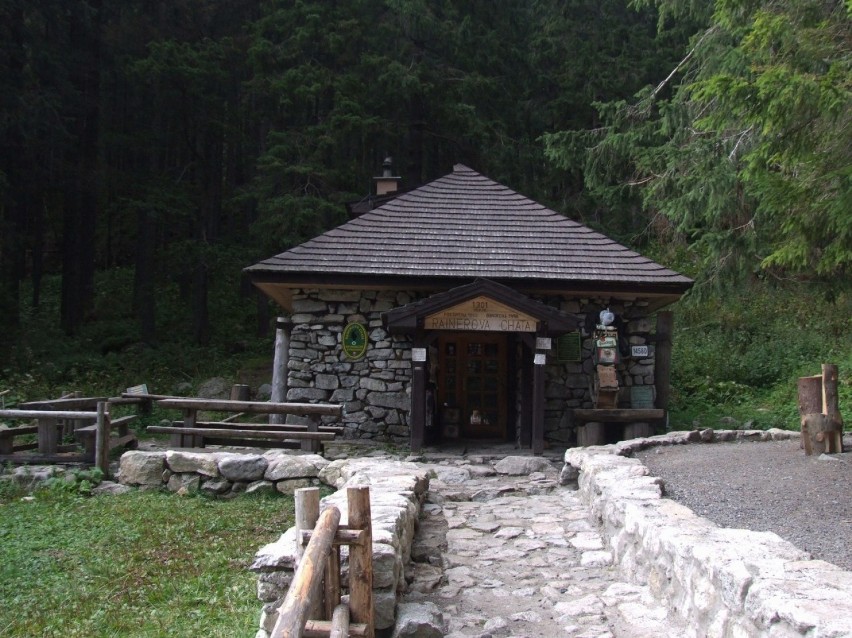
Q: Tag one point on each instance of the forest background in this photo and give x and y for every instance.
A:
(153, 149)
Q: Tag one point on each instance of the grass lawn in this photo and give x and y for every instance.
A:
(139, 564)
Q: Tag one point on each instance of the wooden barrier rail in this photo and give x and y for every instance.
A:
(96, 439)
(195, 433)
(316, 589)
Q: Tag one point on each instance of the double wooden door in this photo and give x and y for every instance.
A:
(472, 384)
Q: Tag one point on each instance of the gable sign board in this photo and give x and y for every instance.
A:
(481, 314)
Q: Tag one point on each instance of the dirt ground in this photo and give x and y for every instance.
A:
(765, 486)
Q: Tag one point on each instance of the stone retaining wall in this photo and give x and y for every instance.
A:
(723, 582)
(221, 473)
(397, 490)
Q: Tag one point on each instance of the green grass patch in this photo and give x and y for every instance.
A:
(138, 564)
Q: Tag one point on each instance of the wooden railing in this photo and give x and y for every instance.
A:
(312, 607)
(194, 433)
(96, 439)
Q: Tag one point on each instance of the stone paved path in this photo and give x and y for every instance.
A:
(516, 556)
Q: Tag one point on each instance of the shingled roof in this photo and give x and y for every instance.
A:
(463, 226)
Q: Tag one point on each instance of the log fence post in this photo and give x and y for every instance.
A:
(102, 439)
(361, 559)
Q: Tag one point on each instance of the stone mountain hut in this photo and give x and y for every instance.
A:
(464, 310)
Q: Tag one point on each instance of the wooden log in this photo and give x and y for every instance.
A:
(255, 407)
(48, 435)
(18, 431)
(418, 406)
(293, 613)
(340, 622)
(663, 357)
(279, 365)
(307, 508)
(618, 415)
(322, 629)
(102, 440)
(829, 390)
(361, 559)
(810, 395)
(538, 401)
(343, 537)
(240, 392)
(331, 584)
(222, 433)
(309, 445)
(66, 403)
(810, 402)
(50, 414)
(290, 427)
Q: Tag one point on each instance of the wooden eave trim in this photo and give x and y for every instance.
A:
(526, 286)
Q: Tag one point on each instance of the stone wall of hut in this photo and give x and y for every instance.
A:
(376, 390)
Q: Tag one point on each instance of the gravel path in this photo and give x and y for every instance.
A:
(766, 486)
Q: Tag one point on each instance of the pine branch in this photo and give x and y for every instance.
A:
(680, 64)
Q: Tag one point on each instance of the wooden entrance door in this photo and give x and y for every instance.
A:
(472, 384)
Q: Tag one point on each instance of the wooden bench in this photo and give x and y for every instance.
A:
(49, 449)
(196, 434)
(592, 423)
(120, 436)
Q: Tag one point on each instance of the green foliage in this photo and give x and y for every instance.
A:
(138, 564)
(744, 146)
(741, 357)
(80, 482)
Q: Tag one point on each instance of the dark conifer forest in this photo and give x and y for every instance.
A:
(152, 149)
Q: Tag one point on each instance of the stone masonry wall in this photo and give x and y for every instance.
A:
(567, 385)
(376, 390)
(725, 583)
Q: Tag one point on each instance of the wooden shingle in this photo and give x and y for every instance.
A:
(463, 226)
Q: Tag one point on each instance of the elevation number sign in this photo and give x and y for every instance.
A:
(481, 314)
(354, 340)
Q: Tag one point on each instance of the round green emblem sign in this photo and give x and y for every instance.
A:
(354, 340)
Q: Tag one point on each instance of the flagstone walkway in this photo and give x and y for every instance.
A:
(517, 556)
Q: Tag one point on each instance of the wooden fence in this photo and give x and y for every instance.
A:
(312, 607)
(96, 439)
(194, 433)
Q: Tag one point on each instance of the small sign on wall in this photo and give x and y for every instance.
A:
(639, 352)
(354, 341)
(418, 354)
(542, 343)
(540, 359)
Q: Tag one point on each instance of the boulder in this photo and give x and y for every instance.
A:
(290, 467)
(215, 388)
(142, 468)
(523, 465)
(243, 467)
(419, 620)
(184, 483)
(196, 462)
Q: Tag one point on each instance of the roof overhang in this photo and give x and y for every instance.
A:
(280, 286)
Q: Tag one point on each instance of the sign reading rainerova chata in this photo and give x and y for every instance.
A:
(481, 314)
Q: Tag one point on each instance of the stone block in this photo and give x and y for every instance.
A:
(197, 462)
(419, 620)
(243, 467)
(142, 468)
(306, 394)
(290, 467)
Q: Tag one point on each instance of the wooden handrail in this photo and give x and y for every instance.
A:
(316, 584)
(255, 407)
(293, 613)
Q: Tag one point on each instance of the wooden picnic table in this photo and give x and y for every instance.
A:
(47, 425)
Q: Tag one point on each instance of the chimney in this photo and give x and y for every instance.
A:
(387, 183)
